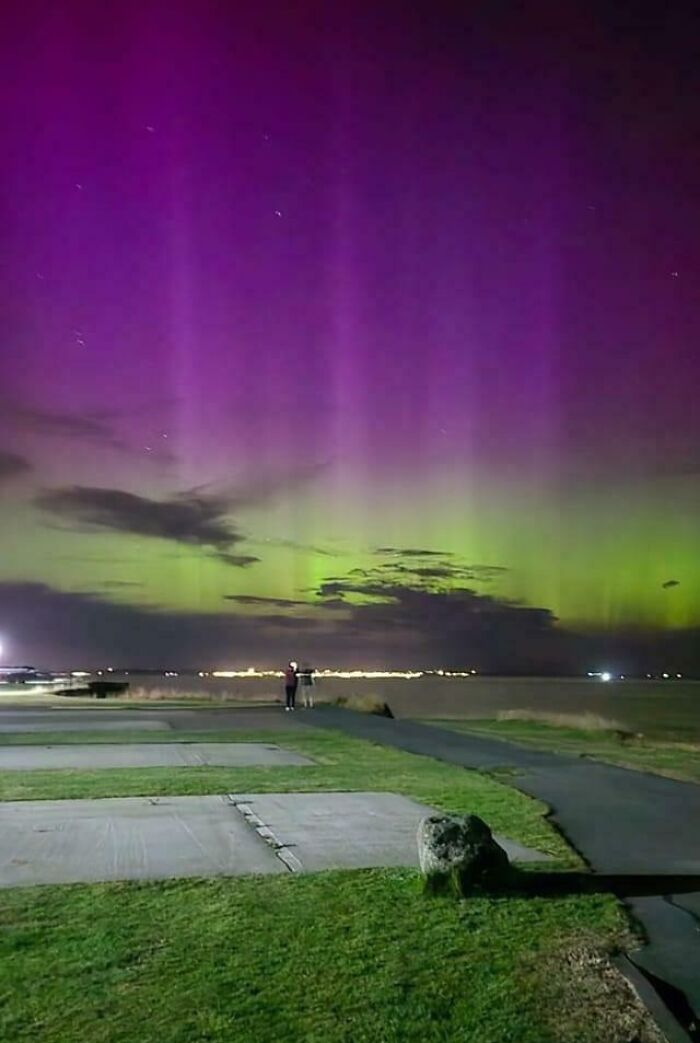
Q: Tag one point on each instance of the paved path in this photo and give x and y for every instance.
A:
(622, 822)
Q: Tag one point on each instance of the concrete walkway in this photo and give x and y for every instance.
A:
(347, 830)
(147, 755)
(206, 718)
(147, 838)
(57, 722)
(622, 822)
(127, 838)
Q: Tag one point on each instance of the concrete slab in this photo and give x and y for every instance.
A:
(127, 838)
(149, 838)
(146, 755)
(346, 830)
(58, 723)
(192, 719)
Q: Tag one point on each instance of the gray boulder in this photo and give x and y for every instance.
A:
(458, 855)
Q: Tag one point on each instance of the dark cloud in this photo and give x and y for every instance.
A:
(437, 573)
(187, 519)
(116, 584)
(63, 630)
(418, 620)
(193, 520)
(239, 561)
(12, 465)
(262, 489)
(427, 568)
(412, 552)
(292, 622)
(95, 427)
(412, 628)
(49, 422)
(670, 583)
(250, 599)
(450, 571)
(196, 517)
(333, 602)
(337, 588)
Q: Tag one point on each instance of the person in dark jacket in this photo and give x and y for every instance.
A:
(306, 683)
(291, 679)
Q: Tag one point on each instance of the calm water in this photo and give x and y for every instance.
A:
(652, 707)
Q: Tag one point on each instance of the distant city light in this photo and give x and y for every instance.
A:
(252, 671)
(665, 676)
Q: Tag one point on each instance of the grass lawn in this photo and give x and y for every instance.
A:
(330, 957)
(677, 760)
(342, 763)
(334, 957)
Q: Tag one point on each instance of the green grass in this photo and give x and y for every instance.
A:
(341, 763)
(357, 957)
(675, 760)
(335, 957)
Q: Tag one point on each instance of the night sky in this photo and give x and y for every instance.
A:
(352, 332)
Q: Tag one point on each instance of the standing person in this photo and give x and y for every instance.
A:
(306, 682)
(291, 680)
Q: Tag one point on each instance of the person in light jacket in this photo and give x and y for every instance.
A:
(306, 683)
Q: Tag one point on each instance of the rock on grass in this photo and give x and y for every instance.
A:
(458, 855)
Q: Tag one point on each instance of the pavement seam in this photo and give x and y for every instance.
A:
(287, 857)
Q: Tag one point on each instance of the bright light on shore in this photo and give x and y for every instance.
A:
(345, 674)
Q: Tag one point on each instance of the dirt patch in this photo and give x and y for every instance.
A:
(592, 992)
